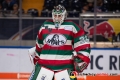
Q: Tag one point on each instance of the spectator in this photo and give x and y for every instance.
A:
(15, 9)
(0, 9)
(100, 6)
(76, 5)
(90, 6)
(8, 4)
(85, 8)
(49, 4)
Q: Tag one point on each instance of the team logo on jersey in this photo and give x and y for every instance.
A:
(55, 40)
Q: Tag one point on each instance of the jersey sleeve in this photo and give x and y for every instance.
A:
(39, 41)
(81, 44)
(39, 38)
(35, 51)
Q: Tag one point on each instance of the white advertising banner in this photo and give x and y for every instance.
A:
(17, 60)
(104, 61)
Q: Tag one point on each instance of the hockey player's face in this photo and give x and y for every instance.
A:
(57, 17)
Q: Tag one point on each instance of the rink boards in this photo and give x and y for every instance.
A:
(15, 64)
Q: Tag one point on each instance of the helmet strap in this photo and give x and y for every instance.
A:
(57, 24)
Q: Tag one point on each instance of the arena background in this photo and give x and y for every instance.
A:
(18, 30)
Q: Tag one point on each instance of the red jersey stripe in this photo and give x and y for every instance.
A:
(37, 48)
(61, 31)
(54, 62)
(80, 33)
(65, 47)
(83, 47)
(39, 35)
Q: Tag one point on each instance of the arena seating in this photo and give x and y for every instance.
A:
(43, 8)
(33, 12)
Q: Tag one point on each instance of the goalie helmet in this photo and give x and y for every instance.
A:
(59, 13)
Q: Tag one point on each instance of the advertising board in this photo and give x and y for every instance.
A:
(15, 64)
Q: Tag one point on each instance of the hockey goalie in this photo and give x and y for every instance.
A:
(61, 47)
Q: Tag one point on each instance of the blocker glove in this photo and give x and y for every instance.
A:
(81, 62)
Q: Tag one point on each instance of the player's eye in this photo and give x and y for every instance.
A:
(55, 16)
(59, 16)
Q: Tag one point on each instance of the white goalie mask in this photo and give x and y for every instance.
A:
(59, 13)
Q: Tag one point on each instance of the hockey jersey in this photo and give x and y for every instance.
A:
(55, 46)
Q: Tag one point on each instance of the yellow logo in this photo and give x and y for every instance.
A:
(73, 74)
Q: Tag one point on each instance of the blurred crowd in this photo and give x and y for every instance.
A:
(74, 7)
(9, 6)
(84, 5)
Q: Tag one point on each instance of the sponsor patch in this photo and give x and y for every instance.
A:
(83, 39)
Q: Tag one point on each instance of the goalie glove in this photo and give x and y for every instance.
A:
(33, 57)
(81, 62)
